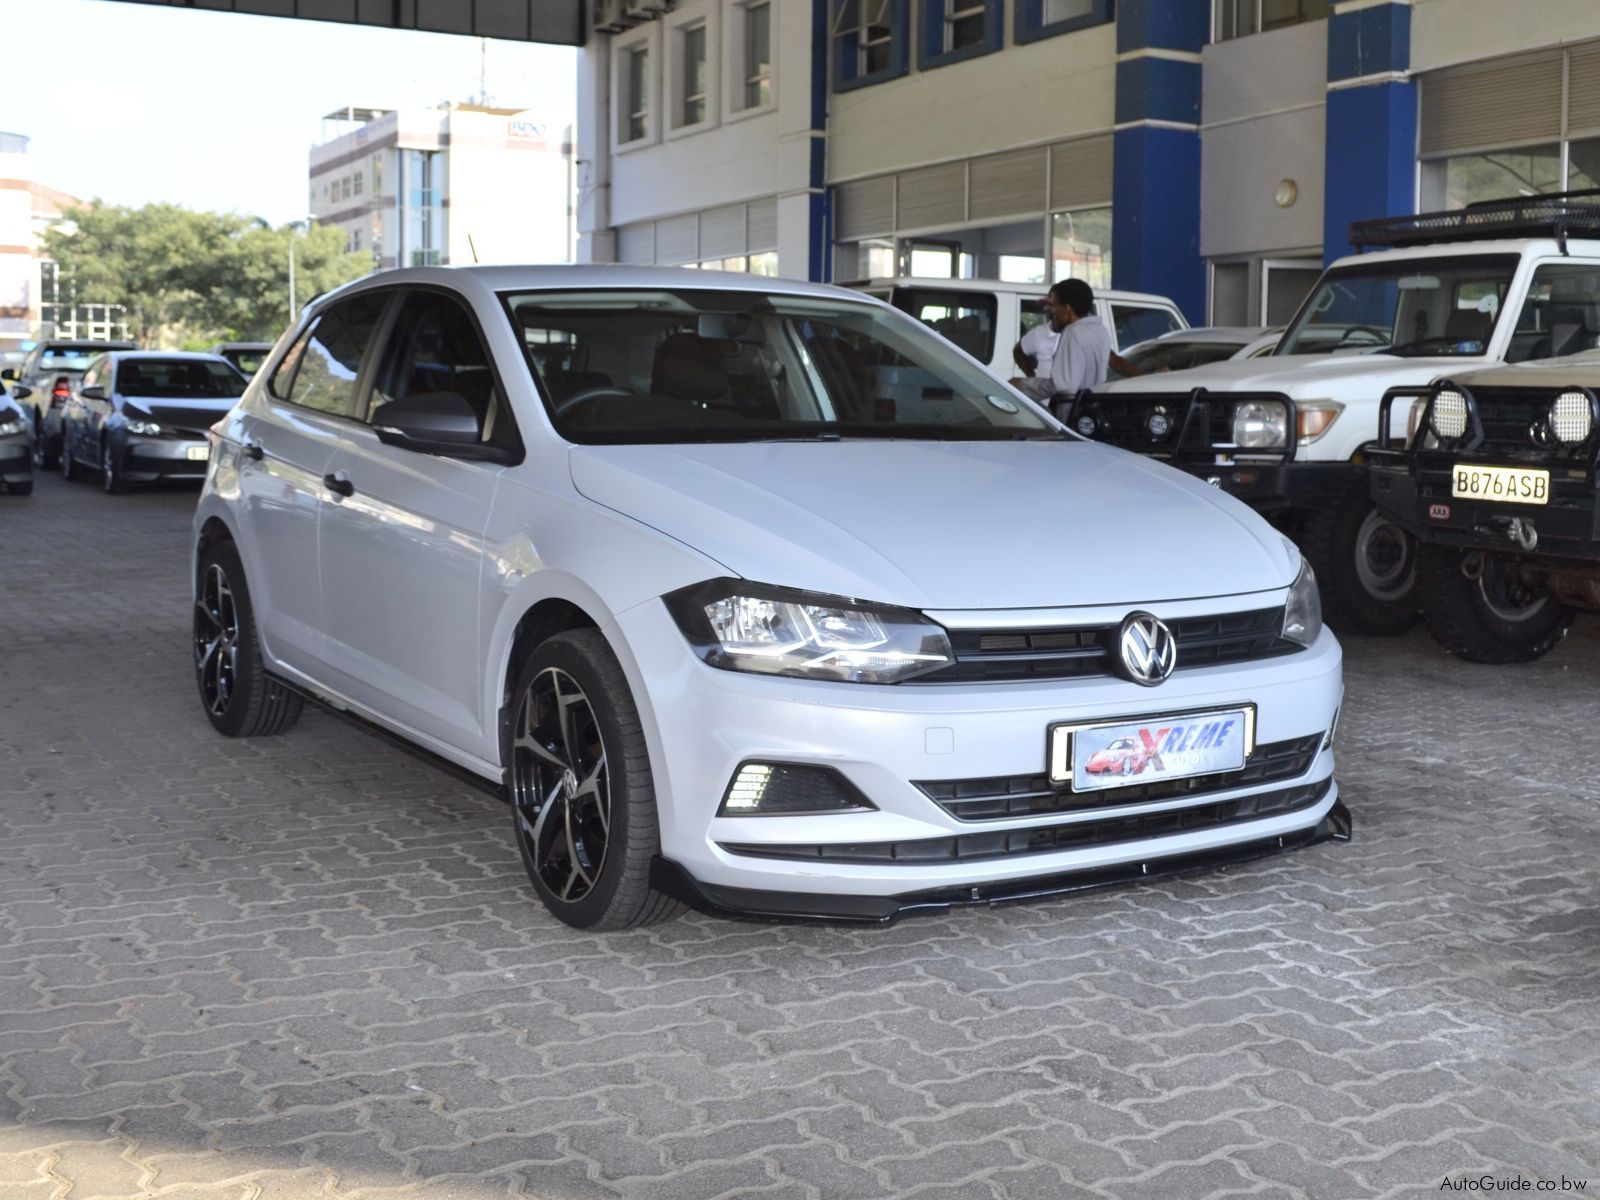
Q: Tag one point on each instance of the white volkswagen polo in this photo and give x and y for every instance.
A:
(756, 596)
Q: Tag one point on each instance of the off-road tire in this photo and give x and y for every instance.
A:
(1330, 538)
(1459, 618)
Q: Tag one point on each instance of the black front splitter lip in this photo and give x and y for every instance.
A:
(761, 905)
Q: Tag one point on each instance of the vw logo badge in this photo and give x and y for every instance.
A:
(1149, 651)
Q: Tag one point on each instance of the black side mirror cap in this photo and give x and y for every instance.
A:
(8, 374)
(21, 393)
(93, 392)
(441, 423)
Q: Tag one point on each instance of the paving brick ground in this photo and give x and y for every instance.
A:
(309, 966)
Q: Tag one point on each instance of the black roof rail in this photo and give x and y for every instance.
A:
(1558, 214)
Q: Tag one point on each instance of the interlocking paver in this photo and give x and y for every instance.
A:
(309, 967)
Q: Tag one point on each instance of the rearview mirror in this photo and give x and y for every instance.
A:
(442, 423)
(93, 392)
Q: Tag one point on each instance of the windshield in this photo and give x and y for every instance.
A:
(178, 379)
(704, 366)
(1407, 306)
(248, 361)
(68, 358)
(1179, 355)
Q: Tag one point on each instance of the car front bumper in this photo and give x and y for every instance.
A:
(145, 460)
(704, 724)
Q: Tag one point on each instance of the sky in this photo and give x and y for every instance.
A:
(135, 103)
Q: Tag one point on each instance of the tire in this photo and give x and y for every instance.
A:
(1366, 566)
(25, 488)
(43, 460)
(1490, 619)
(239, 697)
(69, 465)
(590, 772)
(110, 470)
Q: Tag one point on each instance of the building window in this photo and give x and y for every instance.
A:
(764, 263)
(1461, 179)
(692, 49)
(870, 39)
(360, 181)
(953, 30)
(1037, 19)
(756, 66)
(636, 93)
(1240, 18)
(1080, 246)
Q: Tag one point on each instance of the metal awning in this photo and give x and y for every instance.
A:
(555, 22)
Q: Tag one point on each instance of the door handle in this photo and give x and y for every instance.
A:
(254, 452)
(339, 484)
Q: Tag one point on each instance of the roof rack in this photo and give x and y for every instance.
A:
(1557, 214)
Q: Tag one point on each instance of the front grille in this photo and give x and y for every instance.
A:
(1510, 418)
(1003, 655)
(1123, 420)
(1005, 796)
(1076, 835)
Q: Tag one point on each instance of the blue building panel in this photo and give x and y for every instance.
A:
(1155, 227)
(1158, 89)
(1162, 25)
(1371, 159)
(1369, 41)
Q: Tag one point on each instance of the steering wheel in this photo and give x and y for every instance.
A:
(568, 403)
(1380, 337)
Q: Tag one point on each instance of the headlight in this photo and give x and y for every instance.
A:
(1313, 418)
(1260, 425)
(1447, 419)
(143, 426)
(741, 626)
(1302, 612)
(1571, 418)
(11, 428)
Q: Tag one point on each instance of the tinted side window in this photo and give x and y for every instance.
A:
(331, 355)
(1561, 314)
(965, 318)
(1138, 324)
(436, 351)
(283, 377)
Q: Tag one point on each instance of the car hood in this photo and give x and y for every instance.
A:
(199, 413)
(945, 525)
(1304, 376)
(1574, 370)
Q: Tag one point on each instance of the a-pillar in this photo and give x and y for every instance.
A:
(1155, 217)
(1371, 142)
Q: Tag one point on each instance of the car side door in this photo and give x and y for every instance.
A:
(403, 545)
(78, 417)
(279, 441)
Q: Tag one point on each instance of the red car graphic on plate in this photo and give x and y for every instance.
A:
(1125, 756)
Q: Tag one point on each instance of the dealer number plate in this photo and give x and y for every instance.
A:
(199, 453)
(1151, 749)
(1507, 485)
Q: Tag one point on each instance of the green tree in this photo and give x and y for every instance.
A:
(194, 278)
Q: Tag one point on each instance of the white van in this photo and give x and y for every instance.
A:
(987, 317)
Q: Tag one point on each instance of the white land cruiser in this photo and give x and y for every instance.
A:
(1495, 282)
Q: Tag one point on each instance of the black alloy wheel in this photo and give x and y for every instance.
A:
(239, 697)
(578, 777)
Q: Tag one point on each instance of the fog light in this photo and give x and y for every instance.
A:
(1159, 424)
(1086, 425)
(1447, 416)
(788, 789)
(1571, 419)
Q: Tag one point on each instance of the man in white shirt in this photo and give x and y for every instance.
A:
(1084, 351)
(1033, 353)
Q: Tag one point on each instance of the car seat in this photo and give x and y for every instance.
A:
(690, 367)
(1468, 325)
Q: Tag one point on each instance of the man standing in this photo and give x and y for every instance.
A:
(1085, 348)
(1033, 353)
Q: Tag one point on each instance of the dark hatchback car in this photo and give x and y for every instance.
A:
(16, 442)
(144, 416)
(50, 370)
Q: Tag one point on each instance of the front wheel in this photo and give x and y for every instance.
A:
(1366, 566)
(111, 471)
(239, 697)
(582, 797)
(1478, 608)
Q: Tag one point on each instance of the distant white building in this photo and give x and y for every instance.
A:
(35, 301)
(459, 184)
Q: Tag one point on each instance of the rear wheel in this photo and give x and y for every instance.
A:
(25, 488)
(1366, 566)
(42, 459)
(69, 465)
(582, 798)
(240, 698)
(1478, 608)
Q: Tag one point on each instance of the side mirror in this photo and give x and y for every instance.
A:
(21, 393)
(8, 374)
(94, 392)
(440, 423)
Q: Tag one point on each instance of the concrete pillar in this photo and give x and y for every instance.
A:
(1371, 141)
(597, 241)
(1155, 223)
